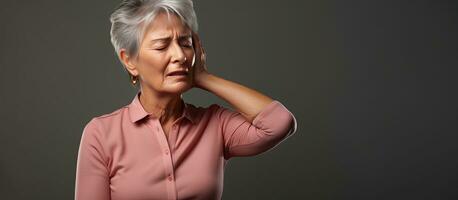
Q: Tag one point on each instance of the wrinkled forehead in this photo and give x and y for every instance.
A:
(165, 25)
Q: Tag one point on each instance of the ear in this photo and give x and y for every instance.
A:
(129, 62)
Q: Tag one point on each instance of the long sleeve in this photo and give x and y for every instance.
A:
(270, 127)
(92, 179)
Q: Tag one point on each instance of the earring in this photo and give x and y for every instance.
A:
(133, 79)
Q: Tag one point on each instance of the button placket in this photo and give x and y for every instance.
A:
(155, 126)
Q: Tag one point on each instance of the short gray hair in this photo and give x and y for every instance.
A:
(131, 18)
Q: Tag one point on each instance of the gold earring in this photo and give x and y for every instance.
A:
(133, 79)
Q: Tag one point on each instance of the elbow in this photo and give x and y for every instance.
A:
(290, 126)
(276, 121)
(285, 126)
(293, 125)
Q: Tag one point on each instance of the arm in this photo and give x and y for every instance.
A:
(246, 101)
(92, 179)
(260, 122)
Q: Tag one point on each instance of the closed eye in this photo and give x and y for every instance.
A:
(187, 45)
(186, 41)
(161, 48)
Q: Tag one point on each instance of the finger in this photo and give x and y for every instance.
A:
(203, 53)
(198, 48)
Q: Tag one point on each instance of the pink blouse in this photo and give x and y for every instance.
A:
(126, 155)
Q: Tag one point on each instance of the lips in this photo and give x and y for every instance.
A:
(178, 73)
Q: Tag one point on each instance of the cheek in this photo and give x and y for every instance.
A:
(153, 66)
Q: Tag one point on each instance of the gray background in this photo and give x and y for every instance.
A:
(371, 83)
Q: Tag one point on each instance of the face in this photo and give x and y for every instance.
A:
(166, 47)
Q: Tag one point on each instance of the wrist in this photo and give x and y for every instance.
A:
(204, 80)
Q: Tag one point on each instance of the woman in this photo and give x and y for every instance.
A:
(158, 146)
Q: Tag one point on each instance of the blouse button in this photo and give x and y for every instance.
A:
(157, 129)
(170, 177)
(166, 152)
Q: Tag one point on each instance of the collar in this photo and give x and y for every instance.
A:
(137, 112)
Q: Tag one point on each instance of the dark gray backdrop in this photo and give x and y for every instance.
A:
(371, 83)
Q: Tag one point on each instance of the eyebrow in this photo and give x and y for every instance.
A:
(169, 38)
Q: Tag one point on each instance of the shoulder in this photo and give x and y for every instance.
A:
(113, 113)
(107, 120)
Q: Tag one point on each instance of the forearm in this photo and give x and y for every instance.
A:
(246, 101)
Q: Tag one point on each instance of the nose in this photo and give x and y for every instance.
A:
(178, 54)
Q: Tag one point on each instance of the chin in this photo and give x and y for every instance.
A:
(179, 88)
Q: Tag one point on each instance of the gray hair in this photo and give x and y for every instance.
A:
(131, 18)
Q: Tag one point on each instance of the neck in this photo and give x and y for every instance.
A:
(165, 107)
